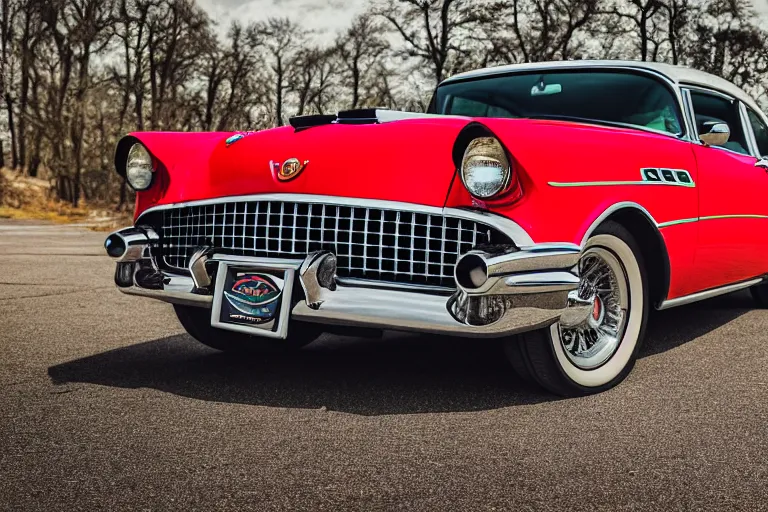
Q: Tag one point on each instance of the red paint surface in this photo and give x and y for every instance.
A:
(730, 250)
(410, 161)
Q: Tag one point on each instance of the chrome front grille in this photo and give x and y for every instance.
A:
(370, 243)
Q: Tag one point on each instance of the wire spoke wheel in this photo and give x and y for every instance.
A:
(595, 344)
(603, 280)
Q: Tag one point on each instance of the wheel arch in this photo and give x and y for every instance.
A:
(638, 221)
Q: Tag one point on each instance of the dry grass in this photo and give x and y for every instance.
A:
(22, 197)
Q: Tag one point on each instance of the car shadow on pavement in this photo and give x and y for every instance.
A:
(674, 327)
(398, 374)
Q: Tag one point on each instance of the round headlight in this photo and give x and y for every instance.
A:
(138, 169)
(485, 169)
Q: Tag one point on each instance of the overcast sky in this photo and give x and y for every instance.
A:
(321, 15)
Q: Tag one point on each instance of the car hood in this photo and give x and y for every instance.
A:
(408, 161)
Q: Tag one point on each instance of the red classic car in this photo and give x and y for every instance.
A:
(549, 205)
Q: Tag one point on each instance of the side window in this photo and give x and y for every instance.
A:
(760, 130)
(708, 108)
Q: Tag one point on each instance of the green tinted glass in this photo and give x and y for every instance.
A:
(612, 97)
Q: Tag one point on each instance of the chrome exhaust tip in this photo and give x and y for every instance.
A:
(505, 270)
(128, 244)
(471, 271)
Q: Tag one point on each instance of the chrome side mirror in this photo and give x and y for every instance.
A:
(717, 134)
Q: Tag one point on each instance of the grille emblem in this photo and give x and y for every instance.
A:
(290, 169)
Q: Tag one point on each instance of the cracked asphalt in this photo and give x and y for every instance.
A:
(105, 404)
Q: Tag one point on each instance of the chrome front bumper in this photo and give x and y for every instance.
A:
(521, 290)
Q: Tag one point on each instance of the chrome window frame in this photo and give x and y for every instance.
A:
(748, 130)
(762, 117)
(686, 89)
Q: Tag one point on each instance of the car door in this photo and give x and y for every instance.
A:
(733, 212)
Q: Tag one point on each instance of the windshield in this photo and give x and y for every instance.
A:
(603, 97)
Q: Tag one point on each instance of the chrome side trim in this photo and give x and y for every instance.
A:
(646, 175)
(611, 210)
(677, 222)
(510, 228)
(708, 294)
(710, 217)
(616, 183)
(744, 216)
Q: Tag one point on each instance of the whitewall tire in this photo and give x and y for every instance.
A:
(600, 353)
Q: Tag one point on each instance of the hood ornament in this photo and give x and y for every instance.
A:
(237, 137)
(289, 170)
(231, 140)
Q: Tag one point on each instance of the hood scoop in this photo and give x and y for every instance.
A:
(357, 116)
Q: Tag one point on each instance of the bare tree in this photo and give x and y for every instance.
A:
(75, 75)
(178, 34)
(640, 15)
(729, 45)
(361, 50)
(539, 30)
(244, 82)
(8, 20)
(435, 32)
(312, 77)
(282, 41)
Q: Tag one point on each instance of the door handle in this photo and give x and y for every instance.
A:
(763, 163)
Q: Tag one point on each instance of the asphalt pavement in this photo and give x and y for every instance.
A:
(105, 404)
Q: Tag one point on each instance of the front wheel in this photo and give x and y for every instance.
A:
(197, 322)
(599, 353)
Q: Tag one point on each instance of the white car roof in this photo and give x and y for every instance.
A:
(680, 75)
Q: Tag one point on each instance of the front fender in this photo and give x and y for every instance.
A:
(576, 176)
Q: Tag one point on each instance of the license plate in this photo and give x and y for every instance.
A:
(253, 299)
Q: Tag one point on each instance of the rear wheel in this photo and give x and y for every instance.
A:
(197, 322)
(599, 353)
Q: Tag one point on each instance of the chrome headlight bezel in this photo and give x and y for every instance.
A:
(485, 168)
(139, 168)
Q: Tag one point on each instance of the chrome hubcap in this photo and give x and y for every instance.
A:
(604, 288)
